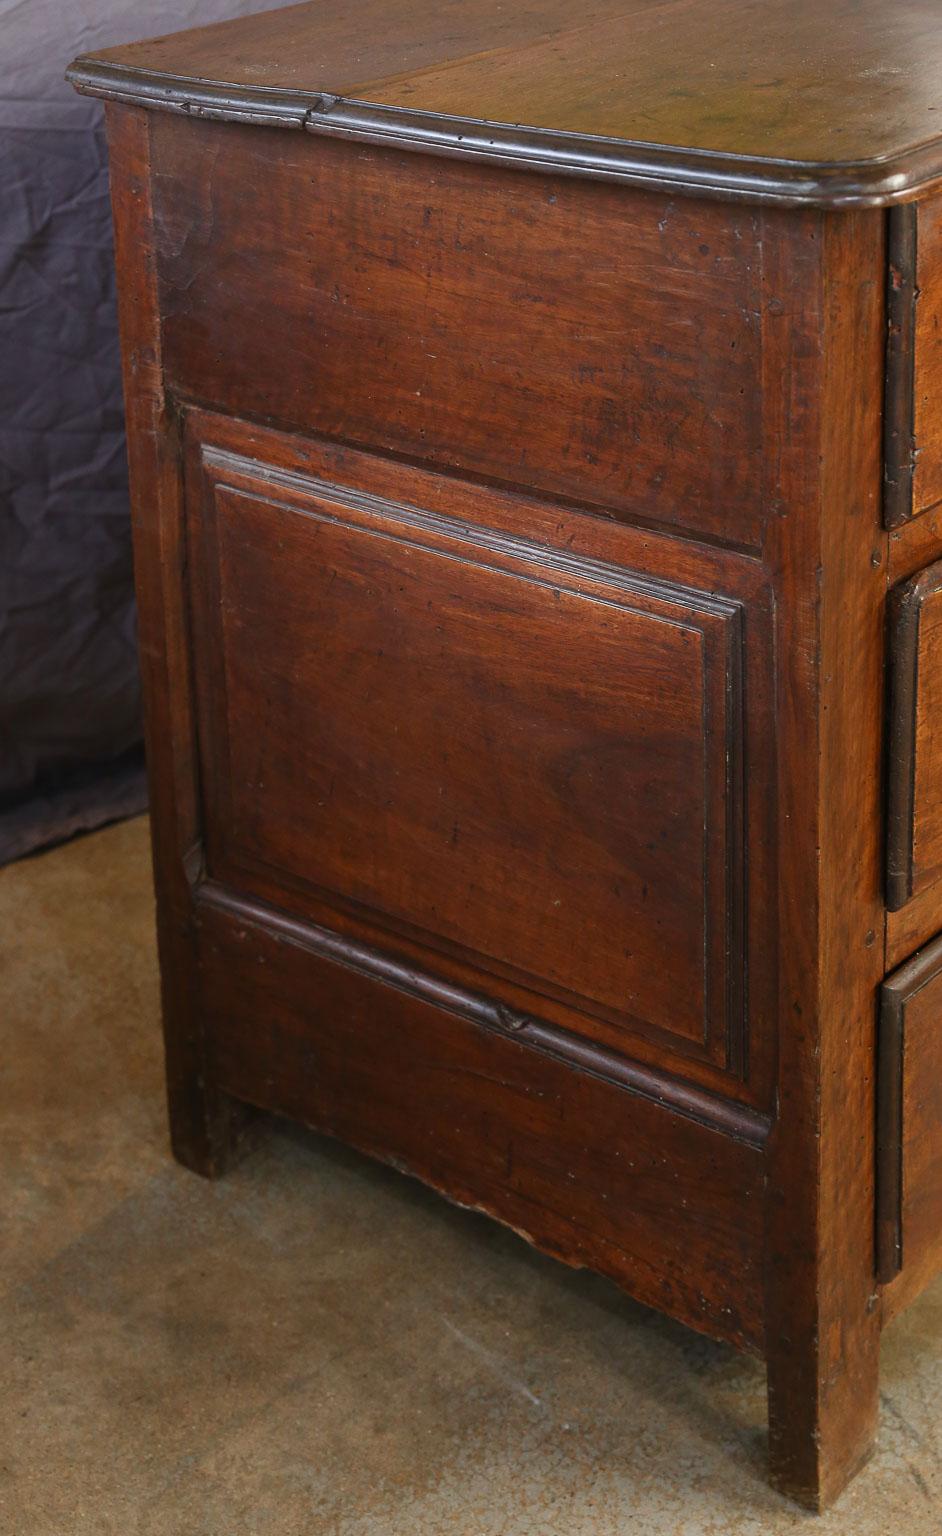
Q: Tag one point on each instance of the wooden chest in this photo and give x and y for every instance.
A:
(537, 471)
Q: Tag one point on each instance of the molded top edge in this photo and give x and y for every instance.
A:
(829, 103)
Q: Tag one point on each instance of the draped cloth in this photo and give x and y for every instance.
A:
(70, 755)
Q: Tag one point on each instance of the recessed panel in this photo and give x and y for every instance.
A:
(520, 758)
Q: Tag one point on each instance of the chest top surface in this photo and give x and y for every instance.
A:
(830, 102)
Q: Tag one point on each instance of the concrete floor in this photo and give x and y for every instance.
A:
(317, 1345)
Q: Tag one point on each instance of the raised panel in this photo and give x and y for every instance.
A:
(914, 820)
(489, 748)
(590, 342)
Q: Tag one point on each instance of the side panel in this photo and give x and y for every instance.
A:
(576, 408)
(669, 1207)
(590, 342)
(482, 742)
(431, 718)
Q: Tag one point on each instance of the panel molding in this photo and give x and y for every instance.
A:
(722, 626)
(234, 468)
(718, 619)
(737, 1121)
(288, 475)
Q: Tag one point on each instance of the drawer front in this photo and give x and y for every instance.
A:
(594, 343)
(927, 391)
(520, 767)
(909, 1217)
(914, 784)
(913, 422)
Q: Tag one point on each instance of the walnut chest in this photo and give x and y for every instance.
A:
(536, 442)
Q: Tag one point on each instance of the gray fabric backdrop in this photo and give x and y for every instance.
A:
(69, 705)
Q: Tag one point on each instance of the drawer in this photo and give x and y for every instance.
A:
(597, 344)
(909, 1186)
(913, 422)
(927, 384)
(914, 768)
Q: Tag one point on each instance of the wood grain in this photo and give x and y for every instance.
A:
(492, 746)
(590, 343)
(899, 445)
(910, 1168)
(914, 755)
(521, 537)
(927, 388)
(822, 1324)
(671, 93)
(913, 547)
(503, 540)
(912, 433)
(592, 1174)
(205, 1126)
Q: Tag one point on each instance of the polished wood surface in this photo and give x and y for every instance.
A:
(530, 330)
(927, 359)
(558, 1155)
(899, 456)
(909, 1226)
(829, 554)
(205, 1126)
(829, 101)
(914, 548)
(450, 692)
(912, 427)
(729, 1056)
(522, 562)
(914, 749)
